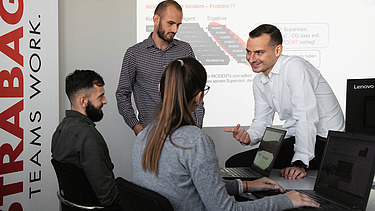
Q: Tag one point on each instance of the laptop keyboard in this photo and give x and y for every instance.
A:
(324, 203)
(238, 172)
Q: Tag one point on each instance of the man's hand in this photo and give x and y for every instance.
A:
(293, 172)
(263, 183)
(240, 135)
(137, 129)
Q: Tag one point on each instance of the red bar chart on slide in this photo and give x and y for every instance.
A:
(207, 51)
(229, 41)
(216, 46)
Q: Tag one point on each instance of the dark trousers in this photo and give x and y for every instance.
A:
(284, 158)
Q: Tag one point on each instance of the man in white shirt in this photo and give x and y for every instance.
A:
(296, 90)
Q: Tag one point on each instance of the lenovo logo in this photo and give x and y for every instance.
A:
(371, 86)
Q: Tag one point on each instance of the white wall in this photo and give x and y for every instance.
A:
(94, 34)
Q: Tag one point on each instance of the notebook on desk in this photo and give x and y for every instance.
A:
(264, 159)
(345, 176)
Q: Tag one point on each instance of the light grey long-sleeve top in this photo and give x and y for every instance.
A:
(190, 178)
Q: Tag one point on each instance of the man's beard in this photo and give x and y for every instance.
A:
(162, 35)
(93, 113)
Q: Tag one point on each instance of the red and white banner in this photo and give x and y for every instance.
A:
(28, 103)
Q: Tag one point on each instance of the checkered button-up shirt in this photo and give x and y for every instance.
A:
(142, 67)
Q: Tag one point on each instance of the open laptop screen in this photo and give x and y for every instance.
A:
(268, 148)
(348, 165)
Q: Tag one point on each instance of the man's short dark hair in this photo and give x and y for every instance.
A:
(275, 35)
(164, 4)
(81, 80)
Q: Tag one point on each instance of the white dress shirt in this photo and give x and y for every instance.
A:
(300, 95)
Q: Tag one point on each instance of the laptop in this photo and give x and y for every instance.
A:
(344, 180)
(264, 159)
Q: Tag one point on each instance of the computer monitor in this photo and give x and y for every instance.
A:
(360, 105)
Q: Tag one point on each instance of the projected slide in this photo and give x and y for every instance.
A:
(326, 33)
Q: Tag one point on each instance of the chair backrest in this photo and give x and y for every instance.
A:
(74, 185)
(134, 197)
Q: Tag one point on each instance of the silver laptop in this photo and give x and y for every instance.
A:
(264, 159)
(345, 176)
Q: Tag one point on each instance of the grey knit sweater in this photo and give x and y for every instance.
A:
(190, 178)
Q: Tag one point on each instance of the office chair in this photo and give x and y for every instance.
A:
(75, 191)
(134, 197)
(67, 205)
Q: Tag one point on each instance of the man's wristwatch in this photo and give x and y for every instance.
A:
(299, 164)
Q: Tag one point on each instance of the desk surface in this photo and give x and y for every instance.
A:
(308, 183)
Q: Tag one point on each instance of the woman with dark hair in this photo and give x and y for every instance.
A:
(175, 158)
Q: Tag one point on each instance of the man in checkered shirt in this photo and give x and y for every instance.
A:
(144, 63)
